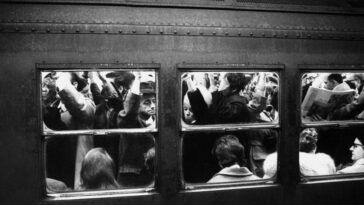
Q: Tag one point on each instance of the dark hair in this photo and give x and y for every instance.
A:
(228, 151)
(237, 81)
(124, 79)
(308, 140)
(98, 170)
(335, 76)
(81, 82)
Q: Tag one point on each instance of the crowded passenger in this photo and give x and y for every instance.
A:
(139, 112)
(98, 171)
(357, 151)
(230, 155)
(311, 163)
(75, 111)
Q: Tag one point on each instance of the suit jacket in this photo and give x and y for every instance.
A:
(350, 110)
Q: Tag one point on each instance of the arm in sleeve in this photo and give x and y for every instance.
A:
(78, 105)
(350, 110)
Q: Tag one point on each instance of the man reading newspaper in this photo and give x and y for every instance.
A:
(322, 103)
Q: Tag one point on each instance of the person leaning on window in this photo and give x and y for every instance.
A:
(230, 156)
(357, 150)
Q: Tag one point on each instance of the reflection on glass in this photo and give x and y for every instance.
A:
(229, 97)
(76, 163)
(230, 156)
(98, 100)
(332, 96)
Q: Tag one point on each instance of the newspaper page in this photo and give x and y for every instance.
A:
(321, 102)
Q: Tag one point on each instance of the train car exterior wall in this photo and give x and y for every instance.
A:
(36, 34)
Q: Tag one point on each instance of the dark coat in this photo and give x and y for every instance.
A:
(132, 147)
(228, 107)
(78, 116)
(350, 110)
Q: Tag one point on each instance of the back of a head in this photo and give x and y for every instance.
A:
(336, 77)
(237, 81)
(98, 170)
(308, 140)
(228, 151)
(124, 78)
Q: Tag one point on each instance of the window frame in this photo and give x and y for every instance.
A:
(67, 67)
(338, 124)
(220, 67)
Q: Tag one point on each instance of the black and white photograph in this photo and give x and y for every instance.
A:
(182, 102)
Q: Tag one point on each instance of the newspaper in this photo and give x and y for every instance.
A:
(321, 102)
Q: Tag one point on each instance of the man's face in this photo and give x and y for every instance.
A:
(48, 89)
(329, 84)
(147, 105)
(357, 150)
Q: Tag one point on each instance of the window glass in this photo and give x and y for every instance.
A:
(86, 100)
(87, 162)
(329, 151)
(229, 97)
(229, 156)
(332, 96)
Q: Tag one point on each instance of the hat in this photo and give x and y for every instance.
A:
(147, 87)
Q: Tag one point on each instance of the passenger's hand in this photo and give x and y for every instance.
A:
(62, 80)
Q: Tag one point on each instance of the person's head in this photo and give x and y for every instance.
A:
(188, 115)
(49, 92)
(98, 170)
(229, 151)
(308, 140)
(234, 81)
(148, 101)
(122, 79)
(357, 149)
(149, 158)
(79, 82)
(358, 79)
(332, 81)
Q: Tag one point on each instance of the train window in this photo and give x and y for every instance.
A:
(99, 162)
(229, 98)
(99, 126)
(237, 156)
(332, 97)
(331, 151)
(90, 100)
(332, 114)
(230, 120)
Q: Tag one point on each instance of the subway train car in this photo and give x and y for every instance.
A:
(182, 102)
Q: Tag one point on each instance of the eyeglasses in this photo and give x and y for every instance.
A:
(357, 145)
